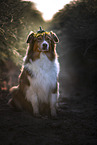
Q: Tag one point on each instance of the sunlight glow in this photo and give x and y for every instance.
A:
(49, 7)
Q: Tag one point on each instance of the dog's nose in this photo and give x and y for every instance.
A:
(44, 46)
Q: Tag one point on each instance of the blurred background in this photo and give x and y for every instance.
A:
(76, 26)
(75, 23)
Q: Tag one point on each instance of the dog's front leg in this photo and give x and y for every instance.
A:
(32, 98)
(53, 101)
(35, 105)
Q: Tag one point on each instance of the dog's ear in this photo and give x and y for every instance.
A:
(54, 37)
(30, 37)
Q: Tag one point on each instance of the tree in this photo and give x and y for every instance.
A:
(17, 19)
(76, 26)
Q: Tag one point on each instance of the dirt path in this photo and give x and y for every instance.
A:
(75, 125)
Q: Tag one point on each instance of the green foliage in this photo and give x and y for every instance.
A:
(17, 19)
(78, 22)
(76, 26)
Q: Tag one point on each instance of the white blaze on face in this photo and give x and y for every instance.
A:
(45, 46)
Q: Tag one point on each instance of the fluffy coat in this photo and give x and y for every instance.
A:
(38, 83)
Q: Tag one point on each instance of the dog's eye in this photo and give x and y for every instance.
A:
(47, 38)
(39, 38)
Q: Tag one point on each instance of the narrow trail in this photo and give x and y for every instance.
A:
(75, 125)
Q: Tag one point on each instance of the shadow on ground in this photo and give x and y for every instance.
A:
(75, 125)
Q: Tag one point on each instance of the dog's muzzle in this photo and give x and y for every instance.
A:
(45, 46)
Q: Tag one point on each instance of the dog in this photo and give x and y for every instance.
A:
(38, 80)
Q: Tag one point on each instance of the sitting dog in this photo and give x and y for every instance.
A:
(38, 82)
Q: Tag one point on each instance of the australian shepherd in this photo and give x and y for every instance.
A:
(38, 81)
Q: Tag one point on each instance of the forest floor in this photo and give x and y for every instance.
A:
(75, 124)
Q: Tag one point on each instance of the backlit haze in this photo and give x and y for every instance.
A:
(49, 7)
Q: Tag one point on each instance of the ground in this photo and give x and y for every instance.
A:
(75, 124)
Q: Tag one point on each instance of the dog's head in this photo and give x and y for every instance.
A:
(42, 41)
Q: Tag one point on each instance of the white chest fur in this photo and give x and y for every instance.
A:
(45, 74)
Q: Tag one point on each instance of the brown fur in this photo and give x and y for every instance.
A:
(18, 93)
(34, 52)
